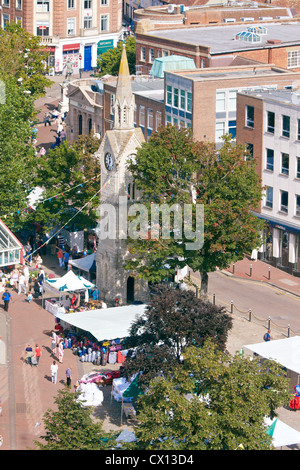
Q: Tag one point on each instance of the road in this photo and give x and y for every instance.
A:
(263, 299)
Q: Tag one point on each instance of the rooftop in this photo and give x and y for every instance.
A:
(220, 38)
(280, 96)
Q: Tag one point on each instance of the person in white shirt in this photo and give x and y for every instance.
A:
(21, 284)
(26, 276)
(54, 369)
(103, 304)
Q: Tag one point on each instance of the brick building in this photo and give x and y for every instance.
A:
(269, 122)
(77, 30)
(278, 44)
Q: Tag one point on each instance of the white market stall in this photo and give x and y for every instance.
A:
(284, 351)
(86, 263)
(104, 324)
(282, 435)
(65, 284)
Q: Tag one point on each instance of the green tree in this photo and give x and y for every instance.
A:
(71, 427)
(23, 57)
(109, 61)
(214, 401)
(173, 169)
(70, 176)
(174, 320)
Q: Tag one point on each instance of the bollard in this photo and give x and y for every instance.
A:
(250, 270)
(289, 331)
(214, 299)
(250, 312)
(197, 291)
(233, 266)
(269, 273)
(231, 307)
(269, 323)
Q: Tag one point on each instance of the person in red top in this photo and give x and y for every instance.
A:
(38, 353)
(60, 256)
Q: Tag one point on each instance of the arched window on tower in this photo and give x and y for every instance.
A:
(80, 124)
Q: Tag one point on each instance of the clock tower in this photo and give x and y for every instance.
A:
(118, 146)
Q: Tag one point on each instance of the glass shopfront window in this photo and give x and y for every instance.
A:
(284, 248)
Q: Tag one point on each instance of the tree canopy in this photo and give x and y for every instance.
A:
(213, 402)
(174, 320)
(109, 61)
(171, 169)
(71, 427)
(71, 177)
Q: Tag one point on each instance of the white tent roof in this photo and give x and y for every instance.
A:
(284, 351)
(84, 263)
(106, 323)
(283, 434)
(69, 283)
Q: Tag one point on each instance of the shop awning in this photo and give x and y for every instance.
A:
(277, 223)
(107, 323)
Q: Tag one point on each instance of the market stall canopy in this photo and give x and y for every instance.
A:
(106, 323)
(281, 433)
(284, 351)
(69, 283)
(87, 263)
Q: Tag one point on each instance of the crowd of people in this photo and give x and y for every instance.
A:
(58, 119)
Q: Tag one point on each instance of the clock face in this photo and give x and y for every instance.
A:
(108, 161)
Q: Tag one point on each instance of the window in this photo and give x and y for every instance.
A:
(189, 102)
(71, 4)
(220, 101)
(151, 54)
(87, 4)
(142, 116)
(104, 23)
(232, 128)
(42, 5)
(298, 130)
(298, 168)
(293, 59)
(143, 54)
(169, 95)
(104, 2)
(42, 28)
(175, 122)
(5, 3)
(5, 20)
(286, 126)
(150, 118)
(80, 124)
(270, 122)
(284, 201)
(158, 119)
(249, 152)
(269, 197)
(19, 4)
(285, 163)
(165, 53)
(250, 116)
(270, 160)
(232, 100)
(71, 26)
(87, 22)
(175, 97)
(297, 205)
(182, 99)
(168, 119)
(220, 130)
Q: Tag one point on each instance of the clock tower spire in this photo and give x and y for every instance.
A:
(124, 98)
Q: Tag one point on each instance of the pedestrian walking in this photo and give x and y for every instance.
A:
(53, 342)
(66, 260)
(29, 354)
(6, 297)
(54, 370)
(60, 351)
(60, 256)
(26, 276)
(68, 376)
(22, 286)
(47, 119)
(267, 336)
(38, 353)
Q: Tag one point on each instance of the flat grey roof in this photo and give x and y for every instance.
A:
(149, 87)
(227, 72)
(280, 96)
(220, 39)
